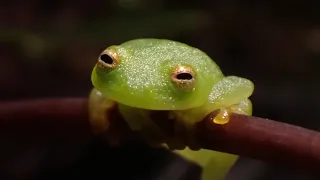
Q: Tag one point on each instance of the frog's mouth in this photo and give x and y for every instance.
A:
(150, 104)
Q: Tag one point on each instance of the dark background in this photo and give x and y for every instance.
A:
(48, 49)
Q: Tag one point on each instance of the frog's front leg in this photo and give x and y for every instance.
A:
(99, 106)
(230, 95)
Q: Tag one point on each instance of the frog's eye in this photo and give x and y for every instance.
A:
(183, 77)
(108, 59)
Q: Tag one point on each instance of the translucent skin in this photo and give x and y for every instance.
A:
(142, 76)
(141, 82)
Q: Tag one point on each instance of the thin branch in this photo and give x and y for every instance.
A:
(248, 136)
(263, 139)
(41, 118)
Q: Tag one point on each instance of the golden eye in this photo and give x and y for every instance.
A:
(183, 77)
(108, 59)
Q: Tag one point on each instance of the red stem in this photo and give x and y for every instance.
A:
(248, 136)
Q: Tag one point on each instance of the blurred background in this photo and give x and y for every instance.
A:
(48, 49)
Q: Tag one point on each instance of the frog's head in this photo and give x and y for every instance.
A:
(155, 74)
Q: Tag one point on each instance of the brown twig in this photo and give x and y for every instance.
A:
(248, 136)
(264, 139)
(45, 117)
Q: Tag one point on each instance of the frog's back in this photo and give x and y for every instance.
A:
(159, 49)
(154, 52)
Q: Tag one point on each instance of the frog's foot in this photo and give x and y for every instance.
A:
(99, 106)
(223, 117)
(189, 135)
(178, 138)
(192, 141)
(184, 131)
(176, 142)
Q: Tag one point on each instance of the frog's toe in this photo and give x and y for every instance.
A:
(99, 106)
(223, 116)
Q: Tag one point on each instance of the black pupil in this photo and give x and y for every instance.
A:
(106, 58)
(184, 76)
